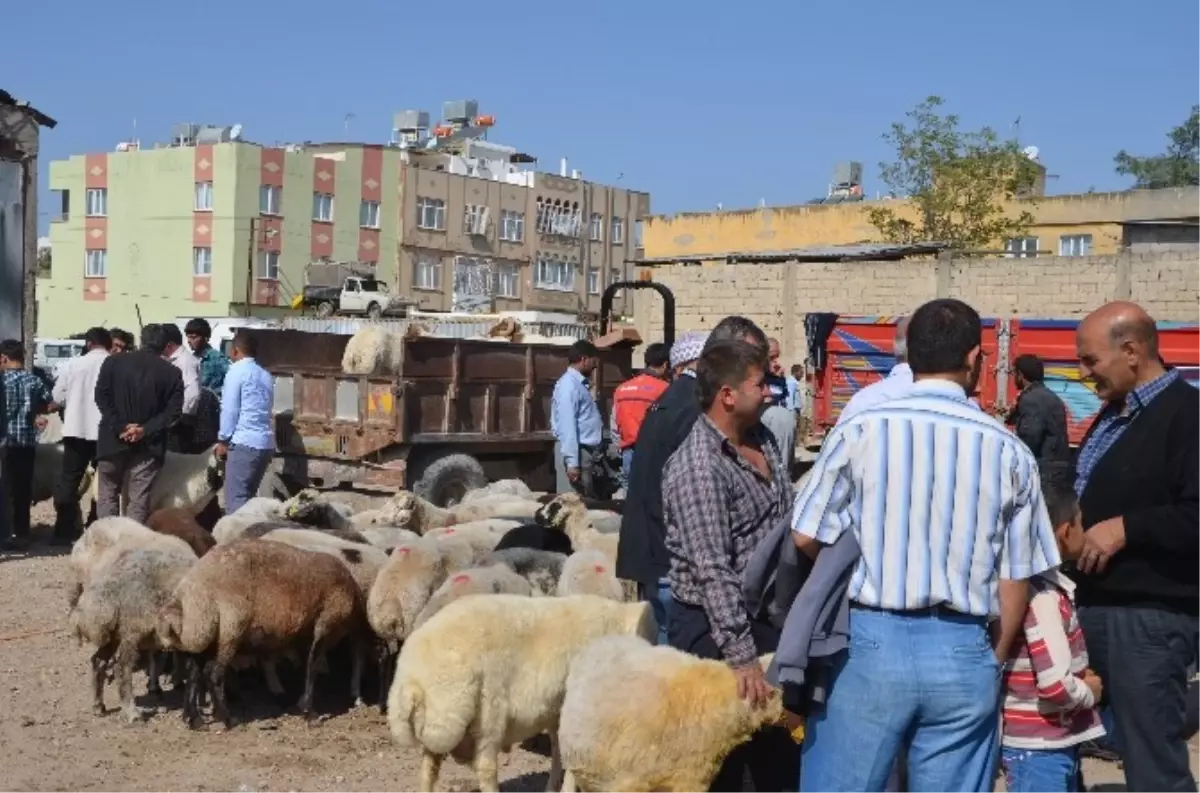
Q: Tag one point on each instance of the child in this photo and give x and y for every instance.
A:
(1050, 694)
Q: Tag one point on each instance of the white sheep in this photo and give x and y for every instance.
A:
(372, 350)
(187, 481)
(486, 673)
(310, 507)
(542, 569)
(589, 572)
(257, 510)
(569, 513)
(386, 537)
(482, 536)
(363, 561)
(677, 717)
(409, 511)
(109, 536)
(498, 579)
(503, 487)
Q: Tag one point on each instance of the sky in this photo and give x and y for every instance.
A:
(697, 103)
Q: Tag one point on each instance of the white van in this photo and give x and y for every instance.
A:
(49, 354)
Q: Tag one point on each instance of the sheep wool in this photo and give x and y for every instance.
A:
(486, 673)
(589, 573)
(107, 536)
(503, 487)
(363, 561)
(542, 569)
(234, 525)
(372, 350)
(181, 523)
(186, 481)
(497, 579)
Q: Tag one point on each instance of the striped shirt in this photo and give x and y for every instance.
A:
(1046, 703)
(944, 502)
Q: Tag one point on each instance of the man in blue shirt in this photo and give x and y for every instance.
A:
(246, 438)
(575, 421)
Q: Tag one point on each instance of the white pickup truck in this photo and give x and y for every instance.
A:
(356, 295)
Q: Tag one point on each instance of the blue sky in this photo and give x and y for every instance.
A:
(697, 103)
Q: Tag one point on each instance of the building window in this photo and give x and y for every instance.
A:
(596, 233)
(204, 196)
(508, 280)
(512, 226)
(554, 273)
(368, 214)
(555, 216)
(1021, 247)
(614, 275)
(270, 199)
(268, 265)
(97, 264)
(639, 232)
(618, 231)
(201, 261)
(475, 219)
(427, 273)
(1075, 245)
(593, 280)
(431, 214)
(97, 202)
(323, 207)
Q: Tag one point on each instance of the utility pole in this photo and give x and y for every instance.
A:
(250, 265)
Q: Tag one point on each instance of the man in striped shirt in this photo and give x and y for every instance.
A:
(946, 506)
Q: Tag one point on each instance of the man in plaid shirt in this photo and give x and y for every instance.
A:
(26, 397)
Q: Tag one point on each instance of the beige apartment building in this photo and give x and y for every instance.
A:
(212, 225)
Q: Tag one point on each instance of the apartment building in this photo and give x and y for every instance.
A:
(213, 225)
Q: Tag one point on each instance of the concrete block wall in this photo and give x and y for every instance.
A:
(777, 296)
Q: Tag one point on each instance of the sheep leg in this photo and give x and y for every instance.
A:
(99, 674)
(310, 677)
(194, 692)
(569, 786)
(486, 769)
(271, 674)
(127, 655)
(431, 767)
(215, 672)
(153, 670)
(176, 671)
(555, 780)
(358, 661)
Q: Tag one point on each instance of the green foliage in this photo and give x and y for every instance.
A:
(1177, 168)
(958, 181)
(43, 263)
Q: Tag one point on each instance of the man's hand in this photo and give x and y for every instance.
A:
(574, 475)
(133, 433)
(1100, 543)
(40, 422)
(221, 450)
(752, 684)
(1092, 681)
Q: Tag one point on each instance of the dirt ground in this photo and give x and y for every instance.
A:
(51, 740)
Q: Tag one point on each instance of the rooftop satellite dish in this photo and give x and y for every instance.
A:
(1031, 152)
(235, 132)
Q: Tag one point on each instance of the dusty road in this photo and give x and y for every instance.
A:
(51, 740)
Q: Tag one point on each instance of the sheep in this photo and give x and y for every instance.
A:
(497, 579)
(503, 487)
(117, 613)
(481, 536)
(542, 569)
(589, 573)
(677, 718)
(409, 511)
(604, 521)
(47, 471)
(103, 537)
(235, 524)
(372, 350)
(569, 512)
(258, 597)
(363, 561)
(181, 523)
(188, 481)
(385, 537)
(489, 672)
(310, 508)
(531, 535)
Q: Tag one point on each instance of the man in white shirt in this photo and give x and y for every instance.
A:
(180, 438)
(75, 390)
(896, 383)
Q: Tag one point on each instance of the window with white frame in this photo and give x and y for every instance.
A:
(596, 233)
(618, 231)
(512, 225)
(201, 261)
(96, 264)
(593, 280)
(204, 196)
(508, 280)
(559, 217)
(270, 199)
(323, 207)
(431, 213)
(97, 202)
(368, 214)
(427, 273)
(1075, 245)
(475, 219)
(268, 265)
(1021, 247)
(554, 273)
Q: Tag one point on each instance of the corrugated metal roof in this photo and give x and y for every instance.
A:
(873, 251)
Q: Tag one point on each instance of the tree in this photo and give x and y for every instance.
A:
(958, 182)
(43, 263)
(1177, 168)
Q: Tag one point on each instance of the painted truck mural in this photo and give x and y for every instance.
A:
(859, 352)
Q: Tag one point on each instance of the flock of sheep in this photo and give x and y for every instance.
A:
(489, 623)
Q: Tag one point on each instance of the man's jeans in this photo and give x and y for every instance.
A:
(1040, 770)
(18, 491)
(658, 596)
(924, 681)
(78, 454)
(142, 468)
(244, 470)
(563, 485)
(1142, 654)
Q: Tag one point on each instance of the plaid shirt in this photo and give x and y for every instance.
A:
(1111, 423)
(213, 366)
(25, 397)
(717, 508)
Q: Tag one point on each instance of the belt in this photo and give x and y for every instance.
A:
(940, 610)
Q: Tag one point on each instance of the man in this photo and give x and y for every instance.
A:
(894, 384)
(723, 489)
(75, 391)
(26, 398)
(246, 438)
(122, 340)
(1138, 585)
(778, 416)
(181, 437)
(139, 395)
(947, 508)
(213, 365)
(1039, 418)
(575, 421)
(634, 397)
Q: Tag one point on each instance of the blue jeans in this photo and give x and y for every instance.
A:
(244, 470)
(923, 682)
(1040, 770)
(626, 465)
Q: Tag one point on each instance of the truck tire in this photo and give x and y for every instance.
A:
(325, 309)
(374, 311)
(445, 480)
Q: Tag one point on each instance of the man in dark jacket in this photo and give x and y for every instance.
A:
(1039, 418)
(139, 395)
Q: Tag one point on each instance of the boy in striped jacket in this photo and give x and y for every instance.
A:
(1050, 693)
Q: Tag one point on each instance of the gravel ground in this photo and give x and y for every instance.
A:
(52, 741)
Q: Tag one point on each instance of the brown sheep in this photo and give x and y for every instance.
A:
(180, 522)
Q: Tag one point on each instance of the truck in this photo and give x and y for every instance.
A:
(348, 289)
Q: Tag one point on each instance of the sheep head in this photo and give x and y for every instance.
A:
(304, 507)
(403, 510)
(559, 509)
(214, 472)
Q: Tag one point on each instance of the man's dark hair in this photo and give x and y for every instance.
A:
(154, 338)
(1061, 502)
(1030, 367)
(737, 328)
(657, 354)
(726, 363)
(174, 334)
(246, 343)
(198, 327)
(123, 336)
(13, 350)
(580, 350)
(940, 334)
(98, 337)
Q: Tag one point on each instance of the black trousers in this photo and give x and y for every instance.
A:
(18, 486)
(1142, 654)
(771, 759)
(78, 454)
